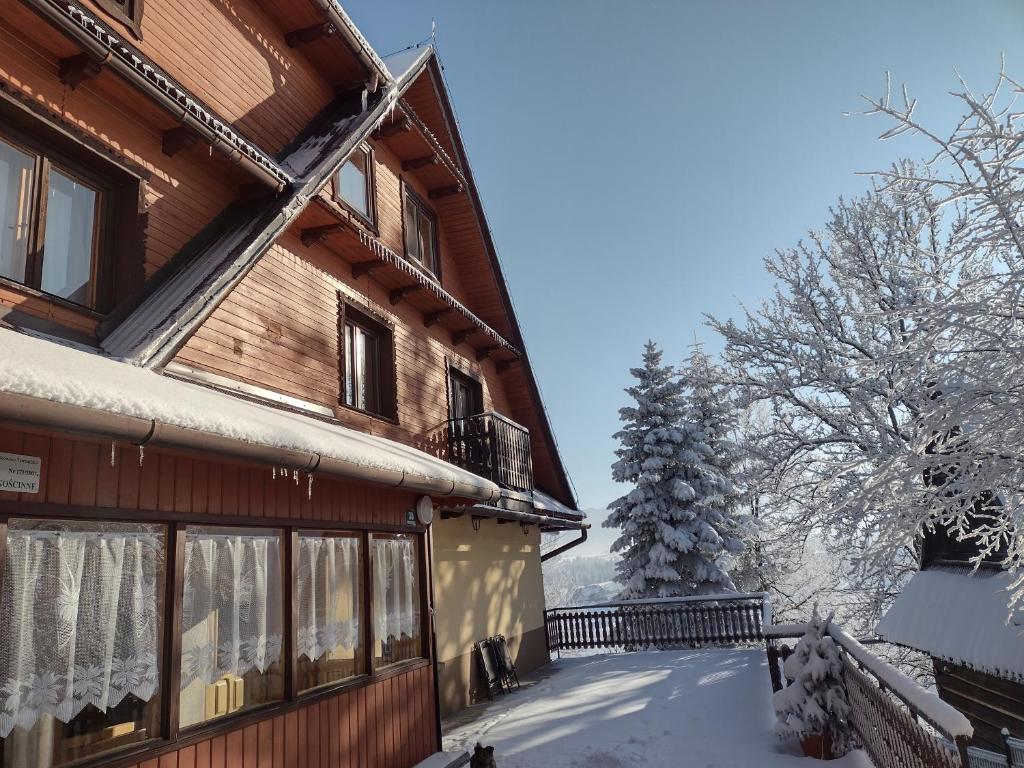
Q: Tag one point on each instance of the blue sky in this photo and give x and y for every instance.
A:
(638, 161)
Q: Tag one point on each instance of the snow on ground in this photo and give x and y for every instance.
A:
(698, 709)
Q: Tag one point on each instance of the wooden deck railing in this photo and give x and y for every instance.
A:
(899, 724)
(685, 622)
(492, 446)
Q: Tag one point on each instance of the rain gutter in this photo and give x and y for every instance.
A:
(143, 432)
(530, 518)
(363, 50)
(565, 547)
(109, 50)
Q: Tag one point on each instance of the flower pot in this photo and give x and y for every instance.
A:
(817, 745)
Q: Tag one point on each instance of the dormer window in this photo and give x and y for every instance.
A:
(354, 184)
(420, 232)
(49, 224)
(128, 12)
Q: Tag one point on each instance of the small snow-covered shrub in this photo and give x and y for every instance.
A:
(815, 700)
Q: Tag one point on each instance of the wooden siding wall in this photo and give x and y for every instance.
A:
(278, 330)
(389, 177)
(233, 56)
(181, 194)
(990, 703)
(386, 724)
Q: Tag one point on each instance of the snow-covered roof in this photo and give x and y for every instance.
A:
(960, 617)
(156, 328)
(54, 372)
(401, 64)
(550, 504)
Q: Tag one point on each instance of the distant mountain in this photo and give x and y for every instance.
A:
(599, 539)
(570, 581)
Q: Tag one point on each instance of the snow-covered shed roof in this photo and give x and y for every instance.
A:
(55, 374)
(960, 617)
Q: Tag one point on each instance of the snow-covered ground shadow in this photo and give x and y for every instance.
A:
(700, 709)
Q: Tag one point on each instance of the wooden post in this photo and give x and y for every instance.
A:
(773, 665)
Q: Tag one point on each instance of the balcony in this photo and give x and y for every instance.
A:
(492, 446)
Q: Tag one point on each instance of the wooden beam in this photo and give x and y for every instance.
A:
(396, 296)
(431, 318)
(420, 162)
(312, 235)
(504, 365)
(401, 125)
(440, 192)
(176, 139)
(460, 336)
(482, 353)
(361, 268)
(76, 69)
(308, 34)
(448, 514)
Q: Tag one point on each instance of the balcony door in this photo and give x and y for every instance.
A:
(467, 441)
(466, 396)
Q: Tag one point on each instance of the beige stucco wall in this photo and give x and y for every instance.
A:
(486, 582)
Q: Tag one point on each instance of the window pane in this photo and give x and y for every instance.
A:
(81, 618)
(68, 241)
(329, 589)
(360, 366)
(412, 237)
(427, 242)
(352, 182)
(16, 172)
(350, 367)
(232, 622)
(396, 599)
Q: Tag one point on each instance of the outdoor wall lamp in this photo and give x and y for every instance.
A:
(476, 522)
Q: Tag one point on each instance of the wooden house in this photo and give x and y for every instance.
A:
(960, 617)
(267, 423)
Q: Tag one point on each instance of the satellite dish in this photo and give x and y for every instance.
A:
(425, 510)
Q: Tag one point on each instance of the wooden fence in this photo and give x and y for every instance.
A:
(664, 623)
(897, 723)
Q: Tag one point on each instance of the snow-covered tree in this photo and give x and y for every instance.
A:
(815, 700)
(972, 435)
(823, 358)
(712, 409)
(674, 539)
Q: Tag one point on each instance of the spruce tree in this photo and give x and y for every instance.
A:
(815, 700)
(719, 524)
(669, 544)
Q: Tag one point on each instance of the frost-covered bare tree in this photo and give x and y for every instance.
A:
(826, 357)
(891, 359)
(973, 349)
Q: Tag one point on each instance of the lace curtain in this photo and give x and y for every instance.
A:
(328, 594)
(395, 591)
(231, 614)
(79, 619)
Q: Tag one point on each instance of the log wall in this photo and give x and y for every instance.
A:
(991, 703)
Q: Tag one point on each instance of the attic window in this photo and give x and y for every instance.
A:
(420, 232)
(68, 218)
(128, 12)
(354, 183)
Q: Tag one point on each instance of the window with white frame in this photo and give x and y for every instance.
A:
(354, 183)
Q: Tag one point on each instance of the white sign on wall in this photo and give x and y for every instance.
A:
(19, 474)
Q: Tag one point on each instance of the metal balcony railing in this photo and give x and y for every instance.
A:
(492, 446)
